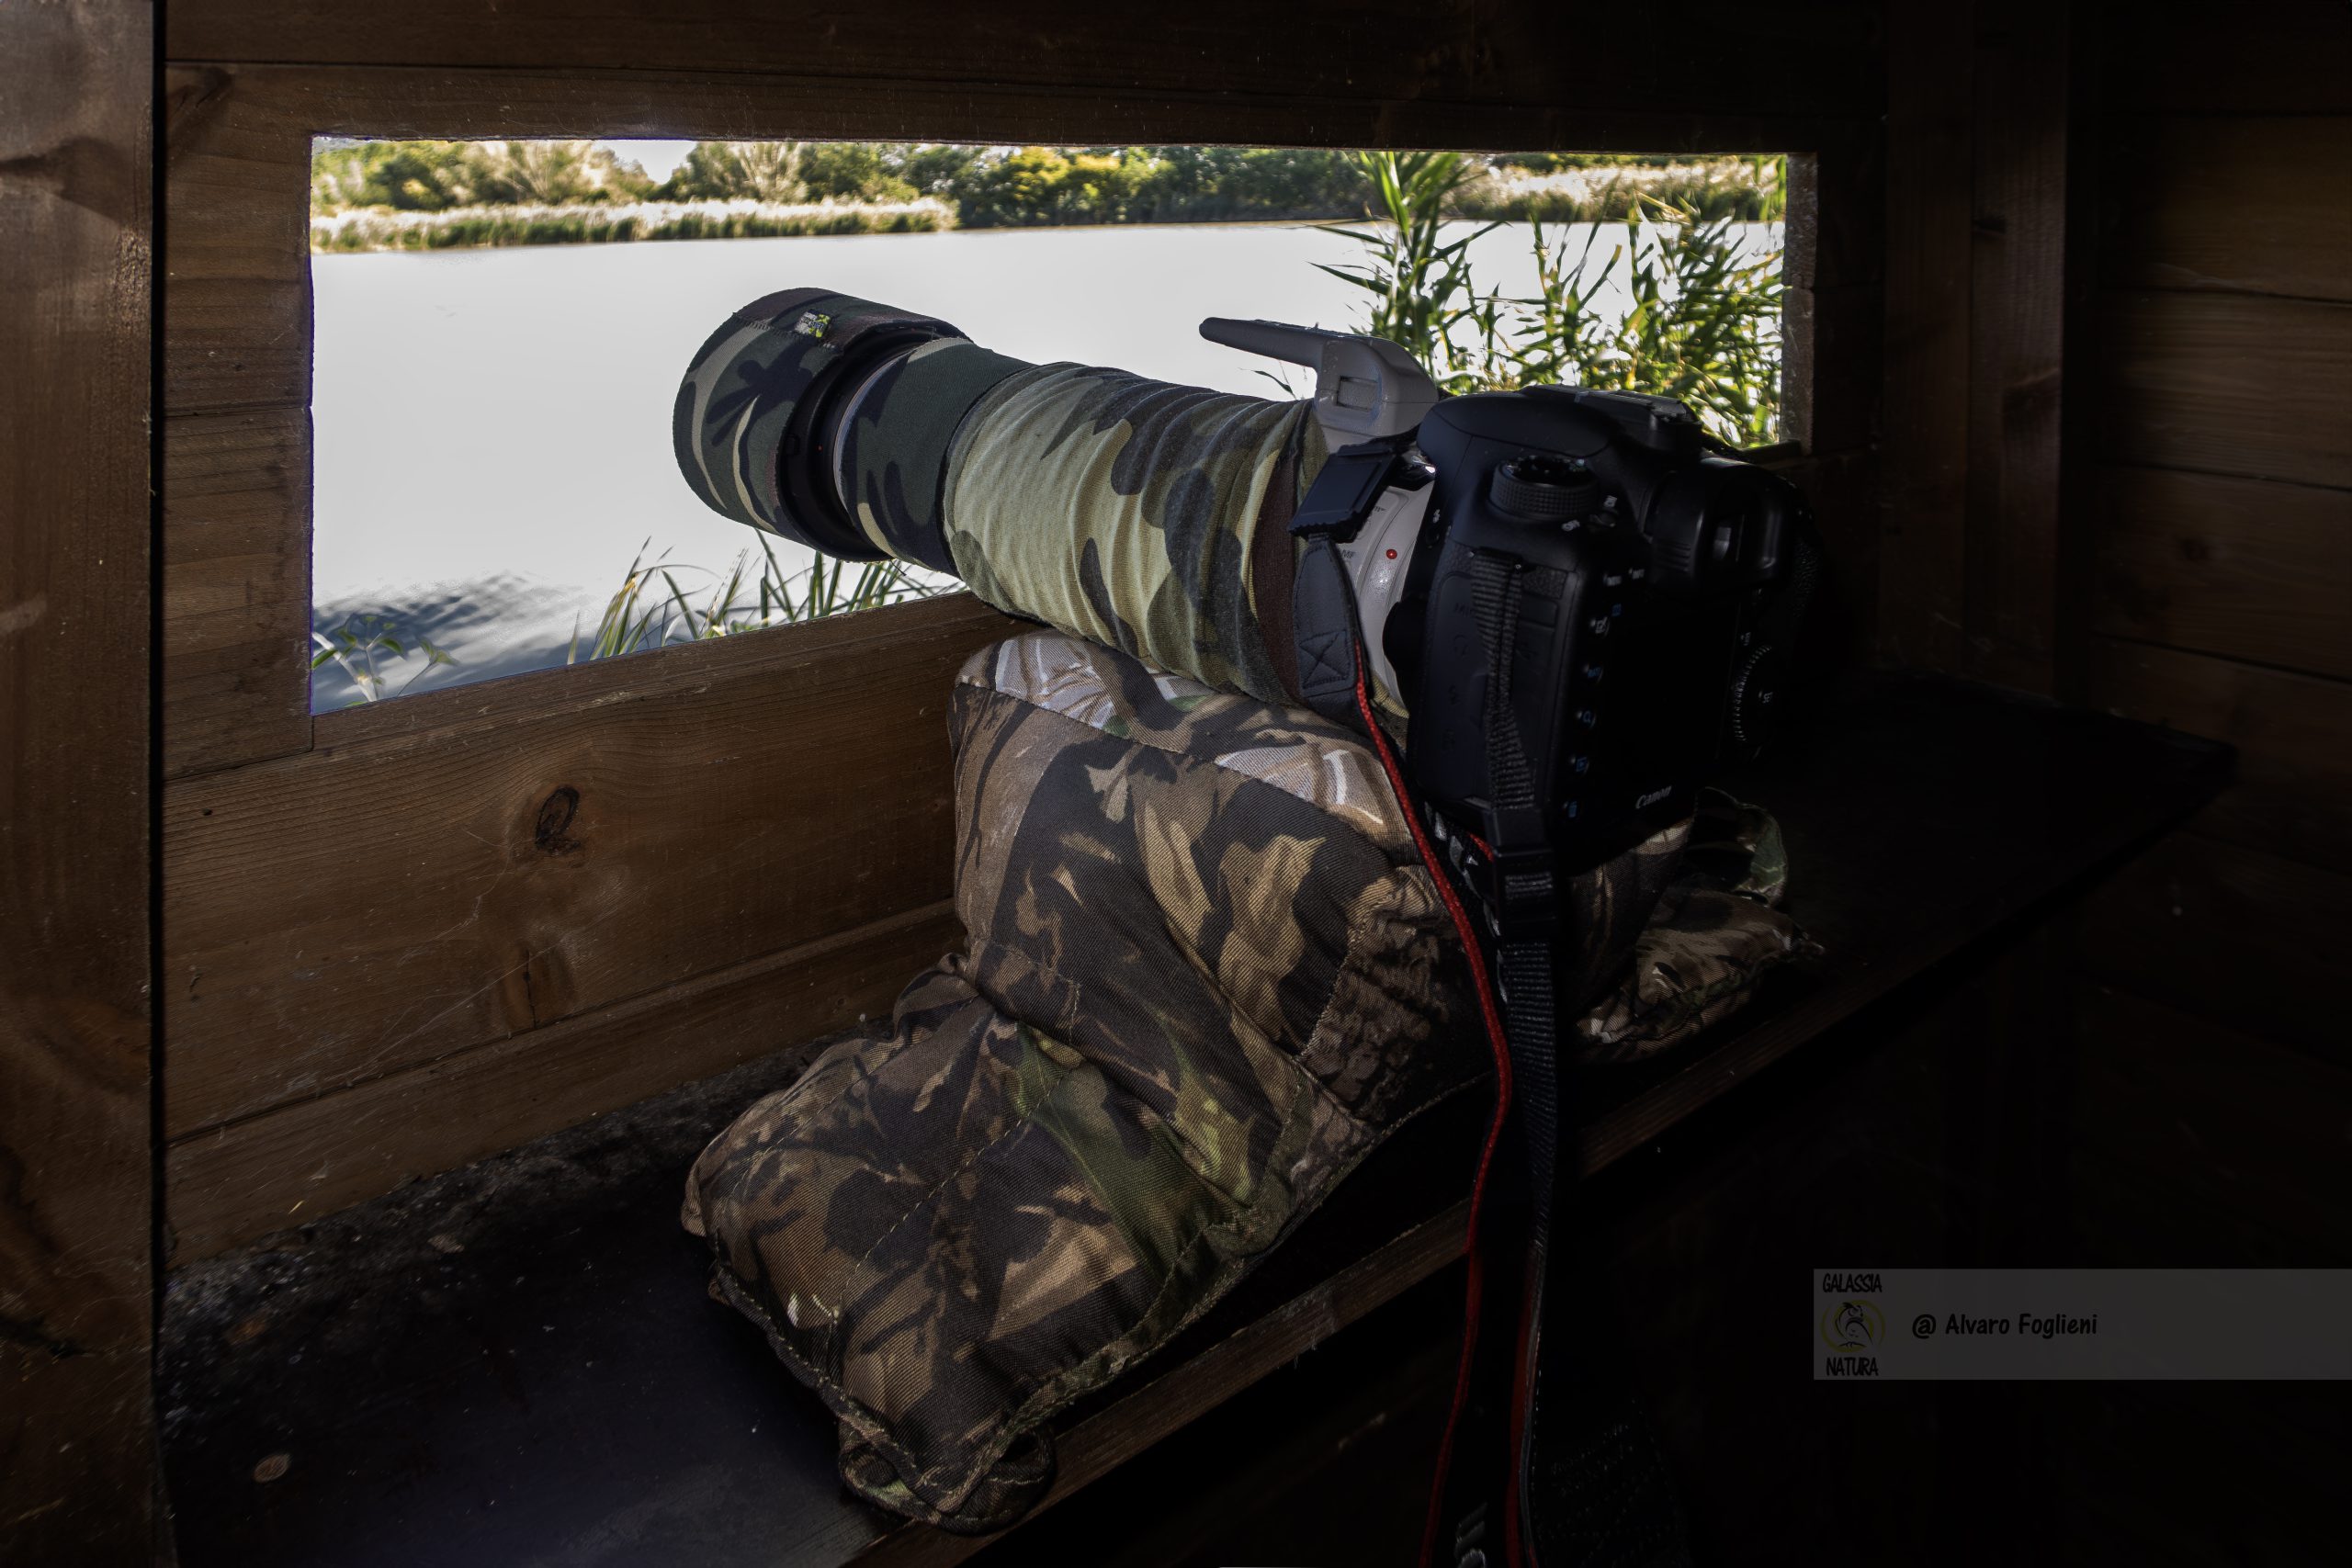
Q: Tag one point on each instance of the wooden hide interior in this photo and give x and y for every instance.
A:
(2069, 354)
(350, 1008)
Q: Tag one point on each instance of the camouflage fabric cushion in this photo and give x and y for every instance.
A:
(1714, 932)
(1205, 975)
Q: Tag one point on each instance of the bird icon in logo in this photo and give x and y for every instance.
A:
(1852, 1325)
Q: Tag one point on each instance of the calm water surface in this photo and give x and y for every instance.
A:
(493, 427)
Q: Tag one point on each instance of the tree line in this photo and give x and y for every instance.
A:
(998, 187)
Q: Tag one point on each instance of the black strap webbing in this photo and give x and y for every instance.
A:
(1477, 1498)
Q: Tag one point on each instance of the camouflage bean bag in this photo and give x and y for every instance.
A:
(1205, 975)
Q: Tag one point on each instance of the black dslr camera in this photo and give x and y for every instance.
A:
(1580, 606)
(1583, 601)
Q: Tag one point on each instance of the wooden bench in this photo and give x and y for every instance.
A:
(518, 1361)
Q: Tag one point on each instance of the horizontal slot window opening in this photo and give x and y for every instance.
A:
(498, 338)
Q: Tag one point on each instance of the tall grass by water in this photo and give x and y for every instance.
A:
(653, 606)
(1703, 325)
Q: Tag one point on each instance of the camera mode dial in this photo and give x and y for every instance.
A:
(1755, 692)
(1545, 490)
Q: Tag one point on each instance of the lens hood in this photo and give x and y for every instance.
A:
(754, 423)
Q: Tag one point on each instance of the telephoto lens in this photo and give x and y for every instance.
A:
(1570, 595)
(1107, 504)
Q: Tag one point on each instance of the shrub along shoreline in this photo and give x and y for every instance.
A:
(384, 229)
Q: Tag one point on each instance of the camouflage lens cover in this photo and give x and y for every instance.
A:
(749, 426)
(895, 440)
(1127, 511)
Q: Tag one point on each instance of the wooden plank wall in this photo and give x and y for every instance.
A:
(398, 939)
(1984, 181)
(2118, 470)
(2218, 1066)
(76, 966)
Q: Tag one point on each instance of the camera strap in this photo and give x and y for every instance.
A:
(1477, 1512)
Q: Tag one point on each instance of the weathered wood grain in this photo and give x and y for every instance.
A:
(1833, 305)
(2018, 310)
(2261, 57)
(2243, 936)
(77, 1479)
(2229, 384)
(236, 612)
(385, 900)
(2203, 1140)
(1831, 359)
(2231, 204)
(2294, 734)
(1930, 150)
(1836, 216)
(2242, 568)
(236, 249)
(1391, 50)
(298, 1161)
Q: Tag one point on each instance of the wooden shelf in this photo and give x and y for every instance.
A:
(517, 1362)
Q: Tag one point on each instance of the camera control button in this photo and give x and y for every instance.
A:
(1544, 488)
(1587, 718)
(1579, 764)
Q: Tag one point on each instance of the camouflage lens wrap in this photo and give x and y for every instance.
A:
(1205, 976)
(746, 428)
(1121, 510)
(895, 439)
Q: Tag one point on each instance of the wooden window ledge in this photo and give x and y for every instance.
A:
(518, 1361)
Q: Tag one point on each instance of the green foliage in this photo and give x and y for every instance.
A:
(1702, 326)
(933, 170)
(412, 176)
(1552, 162)
(357, 645)
(653, 607)
(992, 187)
(1419, 281)
(853, 170)
(1036, 186)
(432, 177)
(731, 171)
(1744, 193)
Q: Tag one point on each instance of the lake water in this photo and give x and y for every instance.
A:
(493, 427)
